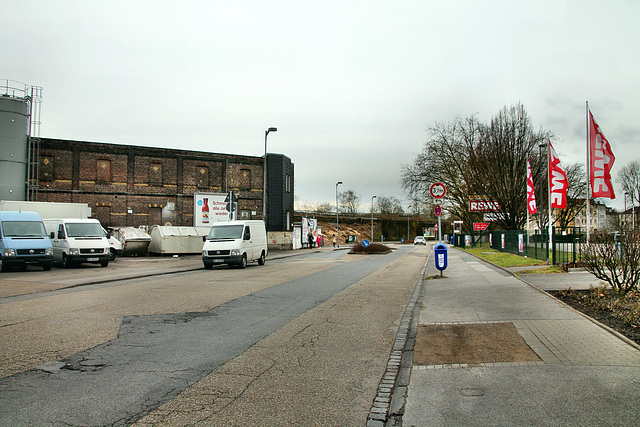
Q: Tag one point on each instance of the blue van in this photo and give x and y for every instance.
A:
(24, 241)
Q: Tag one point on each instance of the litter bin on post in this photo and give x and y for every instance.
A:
(440, 251)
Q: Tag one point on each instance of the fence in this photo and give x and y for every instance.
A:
(565, 248)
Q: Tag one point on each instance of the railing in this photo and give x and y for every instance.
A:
(565, 249)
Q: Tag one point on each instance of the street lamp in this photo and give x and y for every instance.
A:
(372, 197)
(626, 214)
(264, 183)
(337, 213)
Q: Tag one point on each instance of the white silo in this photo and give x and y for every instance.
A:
(18, 157)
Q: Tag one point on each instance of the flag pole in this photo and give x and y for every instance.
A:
(549, 198)
(588, 200)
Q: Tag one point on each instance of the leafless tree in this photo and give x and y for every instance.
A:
(629, 178)
(475, 160)
(576, 194)
(445, 158)
(389, 205)
(615, 261)
(349, 201)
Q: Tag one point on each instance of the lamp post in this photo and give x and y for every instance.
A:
(337, 213)
(264, 183)
(372, 197)
(626, 219)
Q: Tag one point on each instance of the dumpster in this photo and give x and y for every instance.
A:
(440, 251)
(135, 241)
(177, 240)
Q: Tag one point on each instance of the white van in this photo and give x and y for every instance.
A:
(235, 243)
(78, 240)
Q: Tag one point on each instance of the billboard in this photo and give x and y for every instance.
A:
(209, 208)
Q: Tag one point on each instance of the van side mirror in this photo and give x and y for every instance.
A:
(52, 235)
(204, 238)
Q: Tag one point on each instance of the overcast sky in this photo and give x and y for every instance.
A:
(352, 86)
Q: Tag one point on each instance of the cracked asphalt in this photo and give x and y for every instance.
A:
(301, 341)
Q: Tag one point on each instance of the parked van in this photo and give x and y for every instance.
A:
(24, 241)
(78, 240)
(235, 243)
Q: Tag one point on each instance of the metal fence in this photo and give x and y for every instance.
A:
(565, 248)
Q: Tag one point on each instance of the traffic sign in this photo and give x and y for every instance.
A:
(365, 243)
(437, 210)
(438, 190)
(480, 226)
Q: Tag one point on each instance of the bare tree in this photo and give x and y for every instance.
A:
(445, 158)
(629, 178)
(474, 160)
(499, 163)
(389, 205)
(576, 194)
(349, 201)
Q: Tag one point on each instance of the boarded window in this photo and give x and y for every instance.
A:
(103, 170)
(103, 214)
(155, 216)
(245, 179)
(202, 176)
(46, 168)
(155, 173)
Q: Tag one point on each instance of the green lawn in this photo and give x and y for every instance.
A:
(503, 259)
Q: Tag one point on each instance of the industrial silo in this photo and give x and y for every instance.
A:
(17, 162)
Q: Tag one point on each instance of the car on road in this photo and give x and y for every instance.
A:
(419, 240)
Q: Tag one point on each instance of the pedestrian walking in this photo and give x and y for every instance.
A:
(333, 240)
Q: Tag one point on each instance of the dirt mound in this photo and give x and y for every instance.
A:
(361, 231)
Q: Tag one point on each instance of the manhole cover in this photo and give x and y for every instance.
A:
(471, 344)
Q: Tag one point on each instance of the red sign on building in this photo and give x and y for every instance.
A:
(483, 206)
(480, 226)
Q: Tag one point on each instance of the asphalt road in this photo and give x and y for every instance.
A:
(300, 340)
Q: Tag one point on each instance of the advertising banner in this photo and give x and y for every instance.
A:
(209, 208)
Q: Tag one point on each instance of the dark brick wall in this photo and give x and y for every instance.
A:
(134, 186)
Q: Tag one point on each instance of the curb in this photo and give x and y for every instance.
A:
(388, 405)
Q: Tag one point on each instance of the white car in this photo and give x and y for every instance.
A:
(419, 240)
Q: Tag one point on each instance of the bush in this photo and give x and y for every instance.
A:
(614, 261)
(374, 248)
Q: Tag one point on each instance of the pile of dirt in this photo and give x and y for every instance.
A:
(361, 231)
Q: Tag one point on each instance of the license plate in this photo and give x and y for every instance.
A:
(92, 259)
(218, 261)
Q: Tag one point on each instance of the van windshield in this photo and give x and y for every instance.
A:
(78, 229)
(23, 229)
(226, 232)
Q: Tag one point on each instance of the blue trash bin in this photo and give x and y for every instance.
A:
(440, 251)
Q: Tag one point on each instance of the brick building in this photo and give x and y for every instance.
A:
(143, 186)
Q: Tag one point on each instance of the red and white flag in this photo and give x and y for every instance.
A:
(601, 160)
(557, 181)
(531, 194)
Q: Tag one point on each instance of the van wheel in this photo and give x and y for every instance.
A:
(46, 267)
(243, 261)
(66, 263)
(112, 255)
(3, 266)
(208, 265)
(261, 259)
(104, 263)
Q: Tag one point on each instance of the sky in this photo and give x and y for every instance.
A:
(352, 86)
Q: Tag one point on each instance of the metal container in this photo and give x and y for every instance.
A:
(135, 242)
(177, 240)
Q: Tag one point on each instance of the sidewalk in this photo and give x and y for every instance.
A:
(568, 370)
